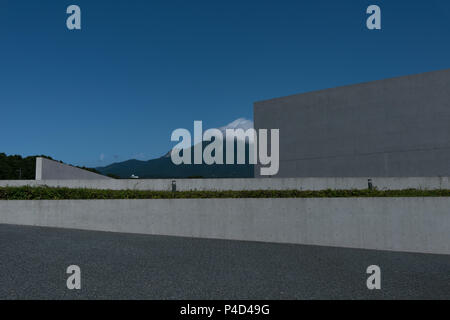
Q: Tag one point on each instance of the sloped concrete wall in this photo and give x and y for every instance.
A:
(52, 170)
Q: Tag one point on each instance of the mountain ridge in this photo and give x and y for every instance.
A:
(164, 168)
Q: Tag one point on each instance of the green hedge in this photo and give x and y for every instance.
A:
(48, 193)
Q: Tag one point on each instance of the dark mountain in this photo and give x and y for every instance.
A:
(163, 168)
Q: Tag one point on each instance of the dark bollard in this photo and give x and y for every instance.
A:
(174, 186)
(370, 184)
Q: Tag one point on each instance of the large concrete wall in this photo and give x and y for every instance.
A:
(52, 170)
(382, 183)
(399, 224)
(390, 128)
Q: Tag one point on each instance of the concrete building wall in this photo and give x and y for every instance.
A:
(397, 183)
(389, 128)
(398, 224)
(52, 170)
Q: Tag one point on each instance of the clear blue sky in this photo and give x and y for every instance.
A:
(140, 69)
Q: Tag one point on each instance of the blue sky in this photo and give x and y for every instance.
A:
(140, 69)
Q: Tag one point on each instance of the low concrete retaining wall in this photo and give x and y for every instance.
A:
(245, 184)
(399, 224)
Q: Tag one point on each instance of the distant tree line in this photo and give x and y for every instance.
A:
(16, 167)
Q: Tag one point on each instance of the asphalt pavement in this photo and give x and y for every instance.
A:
(34, 260)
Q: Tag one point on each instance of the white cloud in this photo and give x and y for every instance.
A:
(139, 156)
(240, 123)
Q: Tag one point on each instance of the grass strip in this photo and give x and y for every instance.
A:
(51, 193)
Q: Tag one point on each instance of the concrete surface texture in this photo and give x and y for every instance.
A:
(52, 170)
(389, 128)
(130, 266)
(392, 183)
(397, 224)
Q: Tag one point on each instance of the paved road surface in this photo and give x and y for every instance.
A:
(33, 264)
